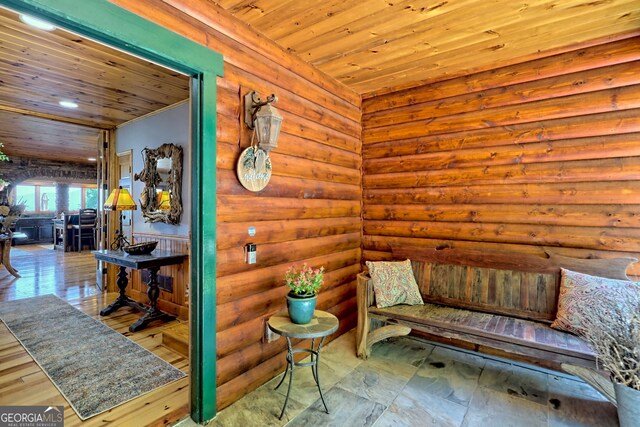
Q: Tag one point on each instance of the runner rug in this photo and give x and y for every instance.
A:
(94, 367)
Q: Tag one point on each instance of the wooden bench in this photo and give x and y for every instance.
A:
(494, 303)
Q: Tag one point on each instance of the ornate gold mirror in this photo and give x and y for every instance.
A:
(161, 198)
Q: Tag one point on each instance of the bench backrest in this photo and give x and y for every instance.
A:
(518, 293)
(519, 285)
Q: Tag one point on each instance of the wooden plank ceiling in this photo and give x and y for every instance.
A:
(40, 68)
(374, 45)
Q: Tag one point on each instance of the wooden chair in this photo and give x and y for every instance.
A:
(85, 230)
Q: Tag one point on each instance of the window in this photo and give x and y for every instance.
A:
(41, 198)
(75, 198)
(47, 199)
(26, 194)
(82, 198)
(37, 198)
(91, 197)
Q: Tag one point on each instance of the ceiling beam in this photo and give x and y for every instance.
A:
(79, 122)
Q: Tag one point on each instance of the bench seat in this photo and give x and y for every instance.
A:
(496, 303)
(517, 337)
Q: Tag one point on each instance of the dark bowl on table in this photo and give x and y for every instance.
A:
(140, 248)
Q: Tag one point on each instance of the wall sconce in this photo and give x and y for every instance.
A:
(264, 119)
(164, 202)
(254, 164)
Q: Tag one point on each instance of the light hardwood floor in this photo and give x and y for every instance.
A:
(71, 276)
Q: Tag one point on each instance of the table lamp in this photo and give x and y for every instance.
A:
(120, 200)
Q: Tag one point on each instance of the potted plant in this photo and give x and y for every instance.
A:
(3, 157)
(9, 214)
(304, 285)
(613, 332)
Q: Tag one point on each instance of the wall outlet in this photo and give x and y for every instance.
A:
(269, 336)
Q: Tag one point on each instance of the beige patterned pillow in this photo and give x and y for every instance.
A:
(580, 294)
(393, 283)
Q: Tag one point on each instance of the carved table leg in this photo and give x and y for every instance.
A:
(153, 291)
(6, 258)
(153, 312)
(123, 299)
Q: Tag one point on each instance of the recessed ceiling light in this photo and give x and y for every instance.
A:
(91, 159)
(68, 104)
(37, 23)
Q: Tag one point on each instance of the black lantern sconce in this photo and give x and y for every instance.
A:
(264, 119)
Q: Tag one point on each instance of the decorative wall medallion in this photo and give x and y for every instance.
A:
(254, 168)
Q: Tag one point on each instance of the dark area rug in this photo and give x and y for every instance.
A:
(93, 366)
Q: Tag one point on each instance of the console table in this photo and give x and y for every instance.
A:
(151, 262)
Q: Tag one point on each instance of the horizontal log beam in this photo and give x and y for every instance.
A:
(617, 169)
(593, 148)
(578, 193)
(518, 94)
(606, 54)
(601, 215)
(599, 238)
(602, 124)
(235, 234)
(236, 286)
(623, 98)
(244, 208)
(286, 187)
(231, 261)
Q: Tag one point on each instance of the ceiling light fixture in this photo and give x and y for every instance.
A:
(37, 23)
(68, 104)
(91, 159)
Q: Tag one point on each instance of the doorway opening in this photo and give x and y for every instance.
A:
(109, 24)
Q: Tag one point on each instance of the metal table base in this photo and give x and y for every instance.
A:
(291, 362)
(321, 325)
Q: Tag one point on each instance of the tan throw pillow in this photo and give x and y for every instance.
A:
(579, 296)
(393, 283)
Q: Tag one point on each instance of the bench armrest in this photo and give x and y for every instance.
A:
(364, 297)
(365, 290)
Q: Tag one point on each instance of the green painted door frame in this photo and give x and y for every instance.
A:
(110, 24)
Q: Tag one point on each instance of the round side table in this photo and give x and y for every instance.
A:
(322, 324)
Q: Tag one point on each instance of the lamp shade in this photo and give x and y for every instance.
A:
(267, 123)
(165, 201)
(120, 200)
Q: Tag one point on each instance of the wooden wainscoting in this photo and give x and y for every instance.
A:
(176, 302)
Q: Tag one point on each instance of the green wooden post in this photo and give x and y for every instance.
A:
(203, 262)
(110, 24)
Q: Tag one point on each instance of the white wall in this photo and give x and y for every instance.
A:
(168, 126)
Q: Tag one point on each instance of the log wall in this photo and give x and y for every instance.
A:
(533, 157)
(311, 210)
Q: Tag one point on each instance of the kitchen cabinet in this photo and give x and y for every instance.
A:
(38, 230)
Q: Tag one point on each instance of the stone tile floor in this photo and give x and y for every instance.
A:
(408, 382)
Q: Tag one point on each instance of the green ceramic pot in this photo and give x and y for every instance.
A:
(301, 307)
